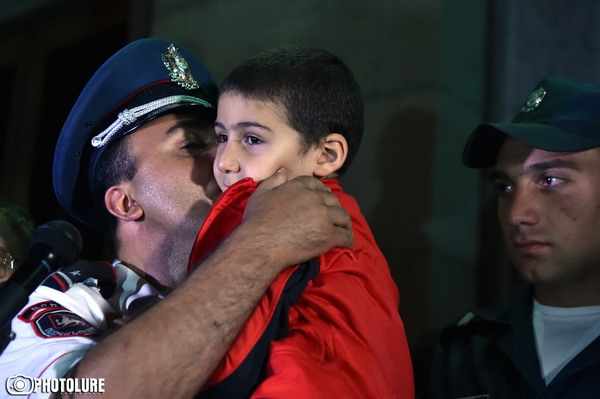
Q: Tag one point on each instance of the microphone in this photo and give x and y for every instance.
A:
(54, 245)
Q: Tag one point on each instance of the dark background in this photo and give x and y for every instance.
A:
(430, 71)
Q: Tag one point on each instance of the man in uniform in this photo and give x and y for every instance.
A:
(135, 158)
(545, 166)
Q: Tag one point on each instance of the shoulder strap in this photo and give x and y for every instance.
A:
(244, 380)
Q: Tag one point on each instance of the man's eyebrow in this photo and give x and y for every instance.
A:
(186, 124)
(552, 164)
(243, 125)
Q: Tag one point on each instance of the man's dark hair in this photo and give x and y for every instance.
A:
(117, 164)
(317, 90)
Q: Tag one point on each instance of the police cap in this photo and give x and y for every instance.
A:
(145, 79)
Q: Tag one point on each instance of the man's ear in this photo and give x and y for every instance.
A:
(120, 204)
(332, 155)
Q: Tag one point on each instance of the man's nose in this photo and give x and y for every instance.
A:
(522, 208)
(227, 161)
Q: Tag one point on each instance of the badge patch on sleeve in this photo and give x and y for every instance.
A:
(51, 320)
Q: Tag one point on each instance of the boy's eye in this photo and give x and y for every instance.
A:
(253, 140)
(221, 138)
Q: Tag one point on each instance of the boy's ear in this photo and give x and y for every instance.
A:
(332, 155)
(119, 203)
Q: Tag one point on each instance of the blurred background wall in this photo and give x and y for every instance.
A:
(430, 70)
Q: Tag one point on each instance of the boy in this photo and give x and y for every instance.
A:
(329, 327)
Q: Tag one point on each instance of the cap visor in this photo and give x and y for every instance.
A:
(484, 143)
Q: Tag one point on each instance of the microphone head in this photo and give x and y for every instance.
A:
(63, 238)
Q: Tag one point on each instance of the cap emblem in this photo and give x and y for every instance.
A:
(179, 70)
(535, 99)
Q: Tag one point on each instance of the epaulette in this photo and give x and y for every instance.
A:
(101, 275)
(476, 322)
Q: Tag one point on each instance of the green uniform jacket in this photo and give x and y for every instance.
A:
(492, 354)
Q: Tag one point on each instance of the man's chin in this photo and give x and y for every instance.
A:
(535, 271)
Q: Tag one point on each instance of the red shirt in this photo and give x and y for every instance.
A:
(345, 337)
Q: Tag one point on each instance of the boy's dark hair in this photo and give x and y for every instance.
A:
(317, 90)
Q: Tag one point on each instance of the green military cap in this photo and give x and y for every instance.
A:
(560, 115)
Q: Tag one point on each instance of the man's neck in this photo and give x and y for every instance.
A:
(160, 259)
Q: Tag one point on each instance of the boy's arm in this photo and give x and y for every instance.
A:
(345, 339)
(170, 350)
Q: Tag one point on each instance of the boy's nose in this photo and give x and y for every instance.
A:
(226, 159)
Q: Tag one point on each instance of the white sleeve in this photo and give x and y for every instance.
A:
(63, 320)
(49, 340)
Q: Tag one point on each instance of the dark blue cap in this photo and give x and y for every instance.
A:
(560, 115)
(145, 79)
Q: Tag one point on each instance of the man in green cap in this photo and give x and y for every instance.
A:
(545, 166)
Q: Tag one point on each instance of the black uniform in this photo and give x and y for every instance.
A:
(492, 354)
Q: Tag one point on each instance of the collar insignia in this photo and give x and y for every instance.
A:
(179, 71)
(535, 99)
